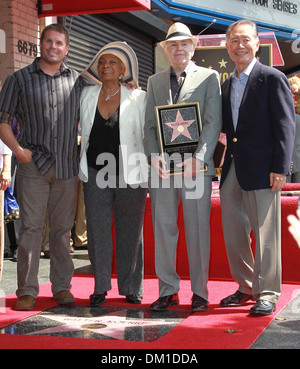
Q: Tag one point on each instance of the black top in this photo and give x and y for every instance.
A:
(104, 138)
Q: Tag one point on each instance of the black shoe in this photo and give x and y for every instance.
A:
(199, 303)
(263, 307)
(15, 255)
(97, 299)
(237, 299)
(134, 299)
(162, 303)
(46, 254)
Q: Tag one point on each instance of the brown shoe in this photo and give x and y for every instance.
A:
(25, 302)
(64, 297)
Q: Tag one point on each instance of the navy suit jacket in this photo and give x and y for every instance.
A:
(264, 138)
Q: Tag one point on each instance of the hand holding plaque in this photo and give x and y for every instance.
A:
(179, 128)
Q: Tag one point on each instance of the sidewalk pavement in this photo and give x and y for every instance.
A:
(282, 333)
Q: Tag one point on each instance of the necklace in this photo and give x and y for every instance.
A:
(109, 96)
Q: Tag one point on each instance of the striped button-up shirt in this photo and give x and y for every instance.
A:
(47, 109)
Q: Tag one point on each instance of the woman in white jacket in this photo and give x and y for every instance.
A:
(114, 170)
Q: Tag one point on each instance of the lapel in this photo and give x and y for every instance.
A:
(253, 84)
(189, 83)
(226, 94)
(254, 81)
(165, 87)
(91, 102)
(125, 97)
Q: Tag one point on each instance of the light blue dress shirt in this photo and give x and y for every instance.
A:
(238, 86)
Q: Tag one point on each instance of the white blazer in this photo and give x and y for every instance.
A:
(131, 123)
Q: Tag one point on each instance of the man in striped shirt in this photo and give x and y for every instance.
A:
(45, 98)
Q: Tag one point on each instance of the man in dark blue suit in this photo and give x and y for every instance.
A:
(259, 122)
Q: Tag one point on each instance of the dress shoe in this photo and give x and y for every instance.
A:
(46, 254)
(25, 302)
(97, 299)
(263, 307)
(162, 303)
(237, 299)
(134, 299)
(198, 303)
(64, 297)
(15, 255)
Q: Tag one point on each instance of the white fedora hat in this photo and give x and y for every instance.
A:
(178, 31)
(121, 50)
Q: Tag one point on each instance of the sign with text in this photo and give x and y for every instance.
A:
(273, 12)
(179, 128)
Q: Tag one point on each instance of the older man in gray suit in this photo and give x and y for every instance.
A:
(183, 82)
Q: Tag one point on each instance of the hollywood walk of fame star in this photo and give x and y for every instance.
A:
(180, 127)
(112, 325)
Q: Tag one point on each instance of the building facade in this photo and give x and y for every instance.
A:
(21, 24)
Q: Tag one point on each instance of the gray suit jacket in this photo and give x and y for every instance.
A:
(201, 85)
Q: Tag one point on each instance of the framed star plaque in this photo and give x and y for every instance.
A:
(179, 128)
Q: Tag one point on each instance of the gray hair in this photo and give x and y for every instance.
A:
(240, 22)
